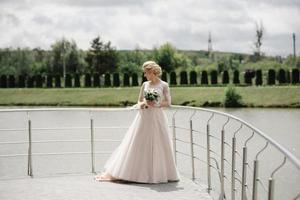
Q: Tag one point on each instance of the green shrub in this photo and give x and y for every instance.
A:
(57, 81)
(77, 80)
(116, 80)
(164, 76)
(21, 81)
(173, 80)
(143, 78)
(193, 77)
(183, 78)
(295, 76)
(236, 77)
(214, 77)
(107, 81)
(249, 74)
(68, 81)
(258, 77)
(204, 78)
(271, 77)
(232, 98)
(87, 80)
(11, 81)
(49, 81)
(225, 77)
(3, 81)
(126, 81)
(30, 81)
(135, 81)
(96, 80)
(281, 76)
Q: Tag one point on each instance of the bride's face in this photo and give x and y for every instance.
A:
(149, 74)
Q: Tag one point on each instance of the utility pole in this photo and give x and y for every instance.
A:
(209, 43)
(294, 45)
(64, 59)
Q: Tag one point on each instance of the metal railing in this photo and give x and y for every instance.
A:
(225, 147)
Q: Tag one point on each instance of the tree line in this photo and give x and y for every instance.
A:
(249, 77)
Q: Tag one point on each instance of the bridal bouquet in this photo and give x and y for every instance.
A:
(151, 95)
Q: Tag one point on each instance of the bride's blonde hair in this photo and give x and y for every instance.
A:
(153, 66)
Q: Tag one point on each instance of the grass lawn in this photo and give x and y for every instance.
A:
(265, 96)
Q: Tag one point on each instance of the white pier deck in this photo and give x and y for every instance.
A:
(84, 187)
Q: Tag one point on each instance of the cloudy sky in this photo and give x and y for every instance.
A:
(147, 24)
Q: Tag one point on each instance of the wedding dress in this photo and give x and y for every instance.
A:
(146, 153)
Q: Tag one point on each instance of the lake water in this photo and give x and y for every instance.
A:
(282, 125)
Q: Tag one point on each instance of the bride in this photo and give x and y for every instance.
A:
(145, 154)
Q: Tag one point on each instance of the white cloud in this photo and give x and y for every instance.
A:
(151, 23)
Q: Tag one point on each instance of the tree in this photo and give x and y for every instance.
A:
(66, 58)
(165, 57)
(101, 57)
(258, 43)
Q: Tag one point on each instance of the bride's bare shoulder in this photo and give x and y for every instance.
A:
(164, 83)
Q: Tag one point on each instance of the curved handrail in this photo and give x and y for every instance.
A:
(288, 154)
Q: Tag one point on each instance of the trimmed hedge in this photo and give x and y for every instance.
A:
(295, 76)
(96, 80)
(3, 81)
(143, 79)
(183, 78)
(21, 81)
(116, 80)
(249, 74)
(30, 81)
(258, 77)
(164, 76)
(204, 78)
(135, 81)
(49, 81)
(126, 79)
(193, 78)
(87, 80)
(214, 77)
(173, 77)
(225, 77)
(11, 81)
(57, 81)
(271, 76)
(107, 81)
(68, 81)
(236, 77)
(77, 80)
(281, 76)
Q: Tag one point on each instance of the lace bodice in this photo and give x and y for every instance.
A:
(162, 88)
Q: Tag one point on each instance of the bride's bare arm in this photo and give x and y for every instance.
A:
(141, 101)
(167, 96)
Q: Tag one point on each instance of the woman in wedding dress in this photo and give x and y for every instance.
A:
(145, 154)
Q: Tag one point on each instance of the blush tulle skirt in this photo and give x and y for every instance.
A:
(146, 152)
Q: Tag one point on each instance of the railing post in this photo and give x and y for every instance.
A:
(208, 158)
(192, 149)
(174, 139)
(29, 166)
(244, 174)
(271, 189)
(92, 146)
(255, 175)
(222, 163)
(233, 169)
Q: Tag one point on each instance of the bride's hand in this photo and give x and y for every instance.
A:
(143, 105)
(151, 103)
